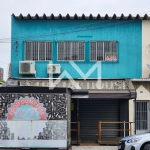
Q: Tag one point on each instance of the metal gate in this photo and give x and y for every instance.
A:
(141, 116)
(93, 110)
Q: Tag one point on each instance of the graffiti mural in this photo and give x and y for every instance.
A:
(33, 120)
(53, 105)
(26, 109)
(30, 133)
(55, 130)
(5, 133)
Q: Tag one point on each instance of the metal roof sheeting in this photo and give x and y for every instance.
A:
(98, 17)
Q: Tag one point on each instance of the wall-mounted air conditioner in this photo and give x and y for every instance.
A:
(27, 67)
(53, 68)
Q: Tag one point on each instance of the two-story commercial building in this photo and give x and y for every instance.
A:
(95, 56)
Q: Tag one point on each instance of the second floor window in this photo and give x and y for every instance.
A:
(71, 50)
(103, 51)
(38, 50)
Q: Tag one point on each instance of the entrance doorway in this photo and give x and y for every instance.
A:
(88, 112)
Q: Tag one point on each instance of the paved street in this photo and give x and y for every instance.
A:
(94, 148)
(85, 148)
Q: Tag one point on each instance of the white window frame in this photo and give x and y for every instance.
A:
(71, 51)
(103, 51)
(38, 50)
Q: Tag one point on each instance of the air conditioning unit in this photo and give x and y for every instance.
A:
(27, 67)
(53, 68)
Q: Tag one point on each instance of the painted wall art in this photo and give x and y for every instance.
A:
(33, 106)
(34, 120)
(33, 133)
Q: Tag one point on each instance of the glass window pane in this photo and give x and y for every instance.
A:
(48, 51)
(74, 51)
(35, 50)
(100, 51)
(81, 51)
(93, 50)
(41, 50)
(38, 50)
(60, 50)
(28, 51)
(67, 51)
(110, 49)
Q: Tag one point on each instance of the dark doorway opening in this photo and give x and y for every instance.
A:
(88, 112)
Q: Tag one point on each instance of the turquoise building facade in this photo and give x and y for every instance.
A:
(126, 32)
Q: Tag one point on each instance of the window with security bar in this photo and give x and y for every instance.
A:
(38, 50)
(70, 50)
(103, 51)
(141, 116)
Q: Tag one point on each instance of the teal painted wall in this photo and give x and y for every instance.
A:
(128, 33)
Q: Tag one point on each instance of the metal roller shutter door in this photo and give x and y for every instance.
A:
(93, 110)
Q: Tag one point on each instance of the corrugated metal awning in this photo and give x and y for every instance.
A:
(83, 16)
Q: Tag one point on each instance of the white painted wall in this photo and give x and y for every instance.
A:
(142, 95)
(131, 113)
(145, 48)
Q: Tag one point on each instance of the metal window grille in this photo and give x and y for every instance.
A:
(70, 50)
(103, 51)
(38, 51)
(141, 116)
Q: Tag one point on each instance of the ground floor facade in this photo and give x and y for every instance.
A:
(94, 106)
(99, 109)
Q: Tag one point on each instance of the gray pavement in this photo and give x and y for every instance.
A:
(81, 148)
(94, 147)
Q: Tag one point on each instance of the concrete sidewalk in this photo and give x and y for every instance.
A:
(94, 148)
